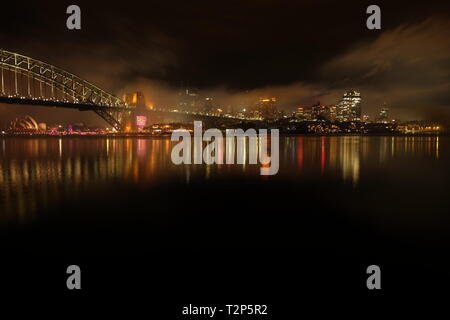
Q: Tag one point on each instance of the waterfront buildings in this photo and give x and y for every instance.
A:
(26, 124)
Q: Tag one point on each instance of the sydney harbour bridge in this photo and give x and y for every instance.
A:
(27, 81)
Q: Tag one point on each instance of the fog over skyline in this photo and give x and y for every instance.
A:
(239, 51)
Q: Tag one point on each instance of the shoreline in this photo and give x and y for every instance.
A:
(140, 135)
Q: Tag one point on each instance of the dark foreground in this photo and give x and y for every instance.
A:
(298, 241)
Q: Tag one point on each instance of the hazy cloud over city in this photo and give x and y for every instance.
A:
(236, 52)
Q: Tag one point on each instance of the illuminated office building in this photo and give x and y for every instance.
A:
(189, 101)
(384, 115)
(267, 108)
(349, 109)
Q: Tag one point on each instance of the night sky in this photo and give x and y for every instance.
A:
(237, 51)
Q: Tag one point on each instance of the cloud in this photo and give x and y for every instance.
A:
(162, 94)
(407, 67)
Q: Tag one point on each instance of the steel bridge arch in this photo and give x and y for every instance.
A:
(84, 95)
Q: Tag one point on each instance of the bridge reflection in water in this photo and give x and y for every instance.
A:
(38, 174)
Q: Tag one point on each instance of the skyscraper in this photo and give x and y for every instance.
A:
(208, 105)
(384, 114)
(267, 108)
(349, 109)
(189, 100)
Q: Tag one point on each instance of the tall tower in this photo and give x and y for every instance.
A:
(349, 109)
(383, 117)
(267, 108)
(137, 119)
(188, 100)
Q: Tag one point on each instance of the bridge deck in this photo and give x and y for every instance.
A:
(62, 104)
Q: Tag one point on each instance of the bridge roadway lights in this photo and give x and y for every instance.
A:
(58, 80)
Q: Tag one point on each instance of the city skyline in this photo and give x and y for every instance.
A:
(348, 108)
(340, 117)
(402, 64)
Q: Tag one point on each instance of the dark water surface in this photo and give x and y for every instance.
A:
(343, 200)
(390, 181)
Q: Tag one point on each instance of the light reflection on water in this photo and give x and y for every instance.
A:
(36, 173)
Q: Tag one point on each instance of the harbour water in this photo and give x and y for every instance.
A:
(38, 174)
(339, 202)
